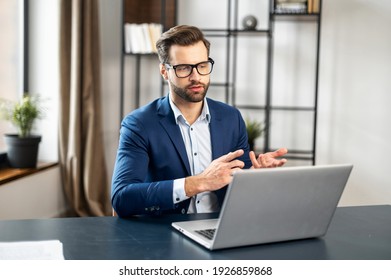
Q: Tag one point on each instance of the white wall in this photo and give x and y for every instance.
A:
(354, 88)
(36, 196)
(110, 12)
(40, 195)
(44, 70)
(355, 95)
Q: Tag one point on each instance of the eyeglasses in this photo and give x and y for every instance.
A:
(184, 70)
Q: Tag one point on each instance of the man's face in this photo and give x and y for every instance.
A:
(194, 87)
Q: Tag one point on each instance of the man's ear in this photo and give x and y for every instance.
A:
(163, 71)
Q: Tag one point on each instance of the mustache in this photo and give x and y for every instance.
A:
(196, 84)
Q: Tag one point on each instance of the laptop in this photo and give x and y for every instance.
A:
(272, 205)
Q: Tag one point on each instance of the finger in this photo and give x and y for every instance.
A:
(278, 163)
(231, 156)
(234, 170)
(278, 153)
(254, 161)
(262, 160)
(281, 162)
(235, 164)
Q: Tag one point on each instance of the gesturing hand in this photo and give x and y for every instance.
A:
(216, 175)
(269, 159)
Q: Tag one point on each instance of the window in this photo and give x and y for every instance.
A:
(11, 56)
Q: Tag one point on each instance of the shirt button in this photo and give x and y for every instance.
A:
(177, 199)
(198, 201)
(195, 154)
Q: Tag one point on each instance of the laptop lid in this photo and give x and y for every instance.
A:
(278, 204)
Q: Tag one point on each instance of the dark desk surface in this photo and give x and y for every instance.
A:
(355, 233)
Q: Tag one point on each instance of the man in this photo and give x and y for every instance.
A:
(177, 154)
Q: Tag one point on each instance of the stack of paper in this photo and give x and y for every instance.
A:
(34, 250)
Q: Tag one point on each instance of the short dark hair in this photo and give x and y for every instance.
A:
(183, 35)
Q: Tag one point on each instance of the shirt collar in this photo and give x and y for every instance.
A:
(205, 114)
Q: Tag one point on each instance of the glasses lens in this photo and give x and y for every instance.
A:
(204, 68)
(183, 70)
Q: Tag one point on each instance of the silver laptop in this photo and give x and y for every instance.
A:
(272, 205)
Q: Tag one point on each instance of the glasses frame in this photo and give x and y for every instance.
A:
(210, 60)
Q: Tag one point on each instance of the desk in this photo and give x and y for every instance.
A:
(362, 232)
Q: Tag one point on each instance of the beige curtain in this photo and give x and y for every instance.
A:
(81, 141)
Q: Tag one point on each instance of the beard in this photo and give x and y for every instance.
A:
(186, 93)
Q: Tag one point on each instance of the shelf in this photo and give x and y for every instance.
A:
(292, 154)
(290, 108)
(277, 108)
(140, 54)
(150, 11)
(251, 107)
(232, 38)
(295, 17)
(297, 154)
(288, 156)
(220, 84)
(9, 174)
(294, 13)
(233, 32)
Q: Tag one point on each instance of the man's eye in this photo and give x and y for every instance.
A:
(183, 68)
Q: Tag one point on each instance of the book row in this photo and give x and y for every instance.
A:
(297, 6)
(141, 38)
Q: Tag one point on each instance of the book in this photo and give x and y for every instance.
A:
(316, 6)
(291, 7)
(147, 46)
(141, 38)
(127, 40)
(155, 31)
(291, 1)
(313, 6)
(310, 6)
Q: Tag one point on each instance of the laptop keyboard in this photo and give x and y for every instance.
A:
(208, 233)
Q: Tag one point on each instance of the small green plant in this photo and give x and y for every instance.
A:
(22, 114)
(254, 130)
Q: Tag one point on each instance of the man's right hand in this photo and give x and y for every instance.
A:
(217, 175)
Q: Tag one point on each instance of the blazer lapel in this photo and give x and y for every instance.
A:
(216, 133)
(216, 130)
(168, 123)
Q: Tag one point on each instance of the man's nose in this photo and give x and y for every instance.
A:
(194, 74)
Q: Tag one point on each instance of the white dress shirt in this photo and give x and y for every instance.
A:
(199, 152)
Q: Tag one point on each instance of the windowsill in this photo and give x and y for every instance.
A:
(8, 174)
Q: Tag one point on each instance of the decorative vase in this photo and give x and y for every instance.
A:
(249, 22)
(22, 152)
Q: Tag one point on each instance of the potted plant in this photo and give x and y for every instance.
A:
(254, 130)
(22, 148)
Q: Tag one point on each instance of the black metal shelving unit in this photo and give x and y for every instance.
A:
(137, 56)
(274, 17)
(231, 34)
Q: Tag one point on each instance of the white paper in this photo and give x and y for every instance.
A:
(32, 250)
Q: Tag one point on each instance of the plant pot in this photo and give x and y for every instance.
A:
(251, 144)
(22, 152)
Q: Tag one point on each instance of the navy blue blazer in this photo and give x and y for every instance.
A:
(151, 154)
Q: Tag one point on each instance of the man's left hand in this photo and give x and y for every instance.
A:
(268, 160)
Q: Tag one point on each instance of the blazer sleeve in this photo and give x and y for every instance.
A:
(131, 192)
